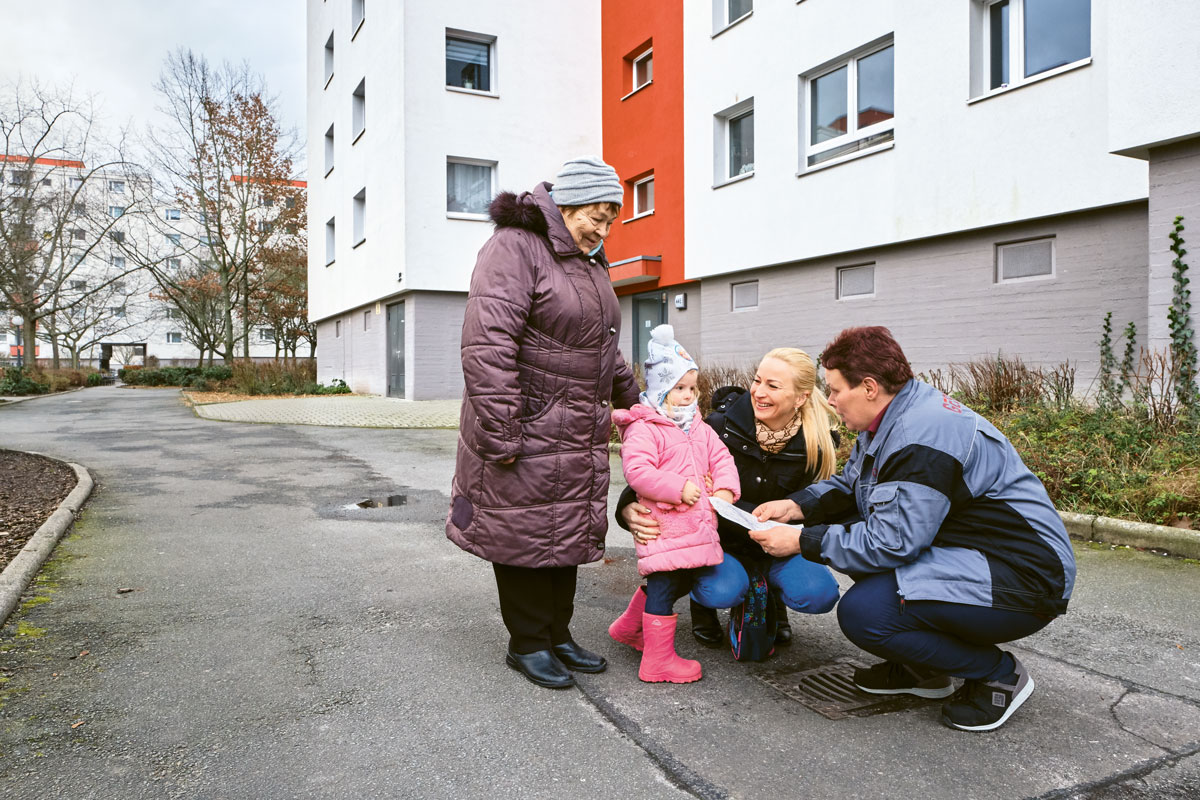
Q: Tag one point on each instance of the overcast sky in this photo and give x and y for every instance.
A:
(115, 48)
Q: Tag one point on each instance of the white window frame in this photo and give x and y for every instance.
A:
(174, 337)
(118, 262)
(330, 152)
(172, 214)
(367, 320)
(493, 72)
(998, 259)
(358, 102)
(174, 264)
(329, 50)
(841, 295)
(853, 133)
(475, 162)
(116, 212)
(330, 241)
(721, 19)
(981, 83)
(358, 15)
(266, 335)
(647, 55)
(733, 293)
(116, 187)
(638, 211)
(175, 239)
(721, 142)
(359, 218)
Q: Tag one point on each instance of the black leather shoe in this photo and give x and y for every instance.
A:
(576, 658)
(542, 668)
(783, 628)
(705, 625)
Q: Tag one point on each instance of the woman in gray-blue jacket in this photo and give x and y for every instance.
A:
(953, 543)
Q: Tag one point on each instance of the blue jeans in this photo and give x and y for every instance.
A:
(953, 638)
(804, 586)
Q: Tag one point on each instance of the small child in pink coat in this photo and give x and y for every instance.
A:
(667, 452)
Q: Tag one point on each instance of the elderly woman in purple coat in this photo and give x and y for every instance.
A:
(542, 373)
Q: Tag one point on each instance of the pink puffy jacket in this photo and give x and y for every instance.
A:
(658, 458)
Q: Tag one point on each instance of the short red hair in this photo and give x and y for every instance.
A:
(865, 352)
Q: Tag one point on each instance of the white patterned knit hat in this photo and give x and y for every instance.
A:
(668, 362)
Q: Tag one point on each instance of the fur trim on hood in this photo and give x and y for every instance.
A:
(509, 210)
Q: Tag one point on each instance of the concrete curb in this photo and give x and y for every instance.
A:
(1176, 541)
(22, 569)
(7, 399)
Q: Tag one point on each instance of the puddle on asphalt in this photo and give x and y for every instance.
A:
(397, 504)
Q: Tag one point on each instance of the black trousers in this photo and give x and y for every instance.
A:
(537, 604)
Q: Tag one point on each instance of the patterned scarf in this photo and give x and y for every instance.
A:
(774, 441)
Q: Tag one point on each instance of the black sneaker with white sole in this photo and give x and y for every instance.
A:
(894, 677)
(986, 705)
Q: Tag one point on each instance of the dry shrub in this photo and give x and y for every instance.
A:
(275, 377)
(716, 374)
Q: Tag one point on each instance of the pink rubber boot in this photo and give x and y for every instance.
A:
(628, 627)
(659, 662)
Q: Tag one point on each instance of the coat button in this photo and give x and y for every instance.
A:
(591, 261)
(612, 331)
(743, 447)
(759, 479)
(725, 436)
(600, 546)
(604, 403)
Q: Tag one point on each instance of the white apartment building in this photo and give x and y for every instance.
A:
(113, 313)
(981, 176)
(418, 113)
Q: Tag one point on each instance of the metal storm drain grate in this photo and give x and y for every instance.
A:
(830, 691)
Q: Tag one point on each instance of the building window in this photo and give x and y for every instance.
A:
(643, 196)
(469, 60)
(78, 285)
(266, 334)
(173, 264)
(329, 150)
(117, 311)
(337, 329)
(18, 177)
(469, 186)
(77, 182)
(643, 69)
(744, 296)
(856, 281)
(330, 241)
(1031, 259)
(727, 12)
(78, 233)
(329, 59)
(357, 14)
(366, 320)
(359, 111)
(171, 214)
(173, 313)
(116, 211)
(116, 187)
(734, 140)
(117, 236)
(850, 105)
(174, 337)
(360, 217)
(118, 262)
(1025, 38)
(173, 238)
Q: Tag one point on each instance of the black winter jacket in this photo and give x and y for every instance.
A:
(764, 476)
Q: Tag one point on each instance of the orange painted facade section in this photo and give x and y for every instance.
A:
(45, 162)
(643, 134)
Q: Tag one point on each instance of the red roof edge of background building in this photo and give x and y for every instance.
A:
(45, 162)
(244, 179)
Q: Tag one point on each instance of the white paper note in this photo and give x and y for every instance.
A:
(744, 518)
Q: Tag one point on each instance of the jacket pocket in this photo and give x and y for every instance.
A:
(534, 408)
(881, 497)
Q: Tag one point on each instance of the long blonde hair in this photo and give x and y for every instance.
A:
(817, 417)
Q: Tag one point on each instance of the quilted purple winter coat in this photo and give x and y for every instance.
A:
(542, 370)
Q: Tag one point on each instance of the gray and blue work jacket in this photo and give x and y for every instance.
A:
(939, 495)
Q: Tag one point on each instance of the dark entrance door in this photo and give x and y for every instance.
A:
(649, 310)
(395, 351)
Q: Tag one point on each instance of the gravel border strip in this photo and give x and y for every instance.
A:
(25, 565)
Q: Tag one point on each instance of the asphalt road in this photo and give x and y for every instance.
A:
(276, 644)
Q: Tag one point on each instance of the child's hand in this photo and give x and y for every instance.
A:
(691, 493)
(724, 494)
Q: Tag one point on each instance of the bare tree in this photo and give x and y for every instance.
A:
(119, 307)
(66, 201)
(227, 165)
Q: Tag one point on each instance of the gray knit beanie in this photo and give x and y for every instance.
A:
(668, 362)
(587, 180)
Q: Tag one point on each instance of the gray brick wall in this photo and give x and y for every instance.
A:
(1174, 191)
(939, 297)
(434, 321)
